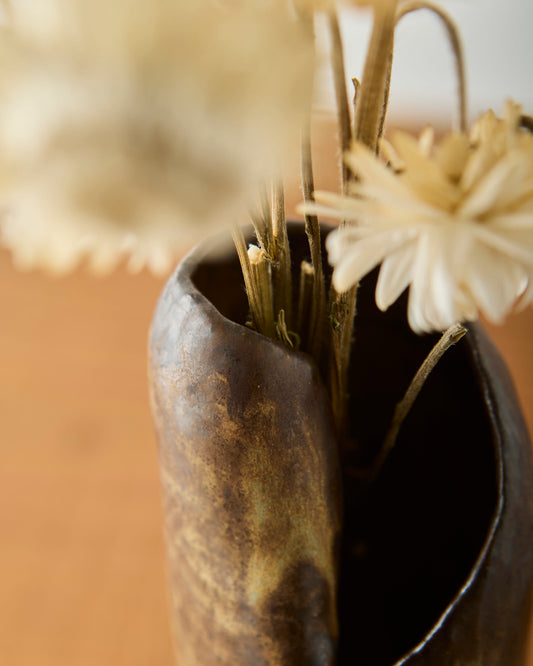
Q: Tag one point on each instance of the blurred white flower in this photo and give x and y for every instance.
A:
(329, 5)
(311, 6)
(455, 224)
(133, 126)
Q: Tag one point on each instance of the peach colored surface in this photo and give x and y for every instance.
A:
(81, 549)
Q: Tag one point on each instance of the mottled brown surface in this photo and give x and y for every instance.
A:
(251, 489)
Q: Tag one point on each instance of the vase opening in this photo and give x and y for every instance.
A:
(411, 542)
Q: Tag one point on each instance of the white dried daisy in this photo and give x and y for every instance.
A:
(455, 225)
(134, 126)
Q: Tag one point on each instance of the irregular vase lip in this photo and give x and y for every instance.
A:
(183, 275)
(210, 248)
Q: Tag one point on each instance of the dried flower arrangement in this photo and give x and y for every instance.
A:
(125, 134)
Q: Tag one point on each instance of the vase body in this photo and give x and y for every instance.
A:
(250, 486)
(263, 516)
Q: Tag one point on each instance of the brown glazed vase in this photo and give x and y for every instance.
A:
(277, 554)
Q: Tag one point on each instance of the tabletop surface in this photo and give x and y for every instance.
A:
(82, 574)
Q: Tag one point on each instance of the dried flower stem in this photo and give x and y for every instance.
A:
(342, 306)
(316, 313)
(281, 256)
(305, 303)
(356, 84)
(260, 269)
(341, 95)
(453, 36)
(289, 338)
(266, 241)
(261, 229)
(254, 298)
(372, 94)
(342, 315)
(449, 338)
(385, 98)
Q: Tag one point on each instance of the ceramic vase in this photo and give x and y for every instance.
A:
(278, 553)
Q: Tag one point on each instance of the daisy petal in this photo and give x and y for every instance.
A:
(453, 154)
(496, 282)
(360, 258)
(364, 164)
(423, 175)
(486, 194)
(431, 297)
(394, 275)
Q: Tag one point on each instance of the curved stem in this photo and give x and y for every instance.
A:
(450, 337)
(453, 35)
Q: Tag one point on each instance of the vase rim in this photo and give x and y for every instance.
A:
(210, 249)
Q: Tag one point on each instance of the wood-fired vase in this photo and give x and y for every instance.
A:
(277, 554)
